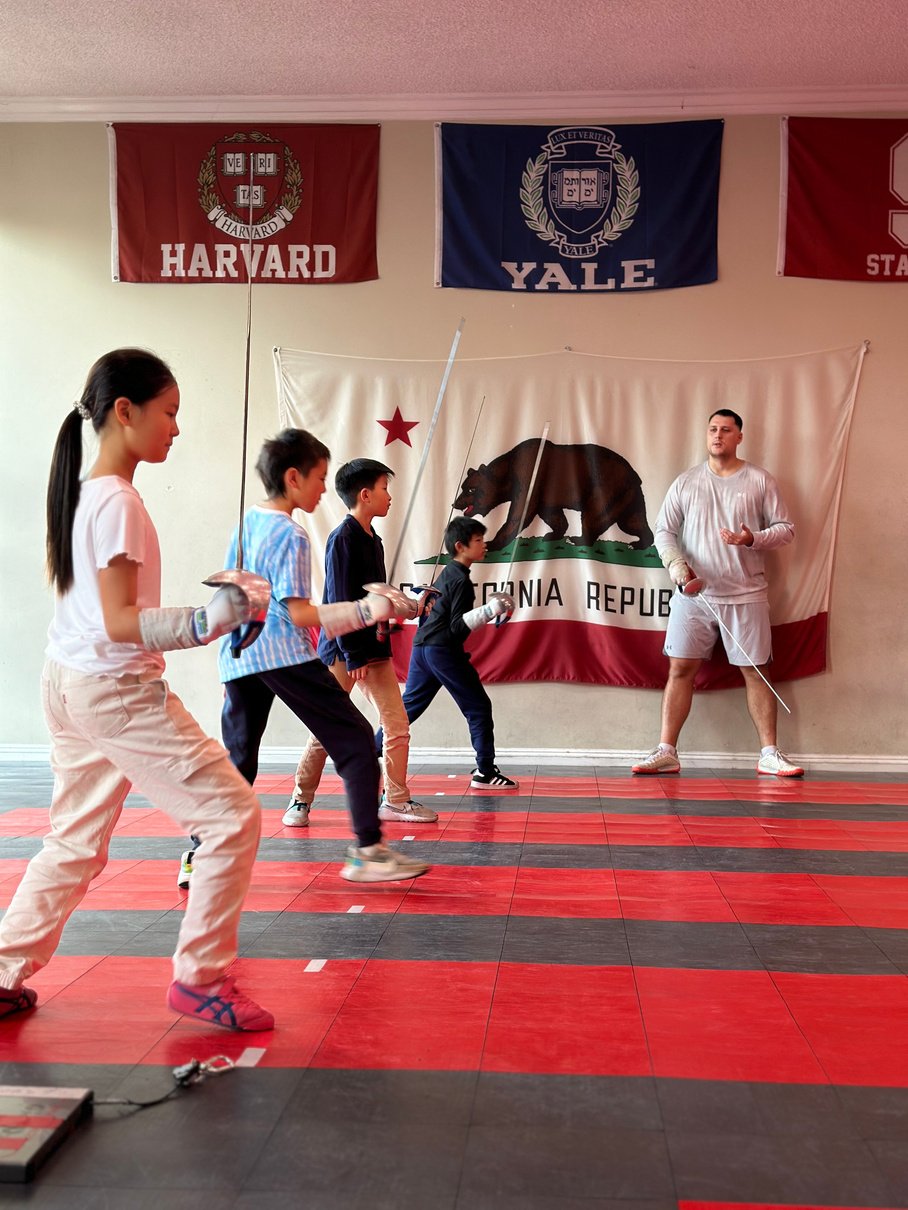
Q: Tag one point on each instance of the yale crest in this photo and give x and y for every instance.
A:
(580, 193)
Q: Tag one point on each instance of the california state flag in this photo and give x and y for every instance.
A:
(592, 596)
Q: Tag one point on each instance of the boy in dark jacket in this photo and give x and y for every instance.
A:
(439, 659)
(354, 555)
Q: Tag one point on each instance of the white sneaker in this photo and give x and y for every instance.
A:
(774, 764)
(185, 875)
(658, 761)
(378, 863)
(406, 812)
(296, 815)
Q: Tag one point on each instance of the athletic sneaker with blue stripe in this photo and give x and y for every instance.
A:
(219, 1003)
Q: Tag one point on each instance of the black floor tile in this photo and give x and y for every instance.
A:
(532, 1161)
(529, 1201)
(319, 935)
(100, 1197)
(876, 1113)
(344, 1164)
(892, 1157)
(656, 857)
(702, 946)
(708, 1106)
(383, 1097)
(566, 1102)
(893, 943)
(818, 949)
(108, 932)
(443, 938)
(575, 942)
(828, 1171)
(796, 1109)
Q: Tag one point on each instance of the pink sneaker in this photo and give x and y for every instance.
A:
(16, 1000)
(222, 1003)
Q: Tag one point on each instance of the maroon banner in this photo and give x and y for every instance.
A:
(844, 205)
(213, 203)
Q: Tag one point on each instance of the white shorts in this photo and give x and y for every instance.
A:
(692, 631)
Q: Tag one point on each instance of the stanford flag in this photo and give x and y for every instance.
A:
(844, 199)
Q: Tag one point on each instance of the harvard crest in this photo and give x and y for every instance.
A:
(580, 193)
(250, 176)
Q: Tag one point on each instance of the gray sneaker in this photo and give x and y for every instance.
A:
(406, 812)
(775, 764)
(296, 815)
(658, 761)
(378, 863)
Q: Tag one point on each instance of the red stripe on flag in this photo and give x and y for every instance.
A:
(587, 654)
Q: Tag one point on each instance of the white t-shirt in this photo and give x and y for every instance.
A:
(110, 520)
(700, 503)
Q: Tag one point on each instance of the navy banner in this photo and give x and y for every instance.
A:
(577, 208)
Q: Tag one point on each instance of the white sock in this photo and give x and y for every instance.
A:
(769, 751)
(670, 749)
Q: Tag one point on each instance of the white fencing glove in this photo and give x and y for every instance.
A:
(175, 629)
(342, 617)
(499, 605)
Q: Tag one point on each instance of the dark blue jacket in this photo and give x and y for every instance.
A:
(352, 558)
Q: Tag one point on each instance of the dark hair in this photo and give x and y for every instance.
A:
(461, 529)
(353, 476)
(291, 449)
(133, 374)
(731, 416)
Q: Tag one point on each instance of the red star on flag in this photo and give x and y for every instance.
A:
(398, 428)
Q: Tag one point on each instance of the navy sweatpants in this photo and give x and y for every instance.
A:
(318, 701)
(433, 668)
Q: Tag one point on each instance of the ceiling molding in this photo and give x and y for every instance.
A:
(539, 107)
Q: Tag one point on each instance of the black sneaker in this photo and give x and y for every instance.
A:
(495, 780)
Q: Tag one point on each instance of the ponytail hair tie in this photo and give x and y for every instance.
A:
(83, 411)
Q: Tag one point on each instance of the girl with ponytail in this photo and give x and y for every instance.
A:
(114, 722)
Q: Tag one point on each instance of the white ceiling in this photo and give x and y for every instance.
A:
(90, 59)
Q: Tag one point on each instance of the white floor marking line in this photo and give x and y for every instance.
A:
(250, 1057)
(451, 776)
(439, 793)
(355, 907)
(315, 965)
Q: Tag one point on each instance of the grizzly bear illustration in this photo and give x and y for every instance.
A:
(590, 479)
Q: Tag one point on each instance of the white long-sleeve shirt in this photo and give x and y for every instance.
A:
(699, 503)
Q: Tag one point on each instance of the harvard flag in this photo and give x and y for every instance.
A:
(592, 595)
(202, 203)
(586, 209)
(844, 199)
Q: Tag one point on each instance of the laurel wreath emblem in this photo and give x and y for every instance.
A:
(532, 204)
(290, 199)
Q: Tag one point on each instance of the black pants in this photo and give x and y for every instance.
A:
(318, 701)
(433, 668)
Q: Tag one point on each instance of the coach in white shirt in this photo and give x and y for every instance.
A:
(714, 525)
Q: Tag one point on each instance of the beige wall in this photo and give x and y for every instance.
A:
(60, 310)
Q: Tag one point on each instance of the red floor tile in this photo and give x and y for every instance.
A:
(854, 1024)
(565, 1020)
(780, 899)
(414, 1015)
(723, 1025)
(666, 895)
